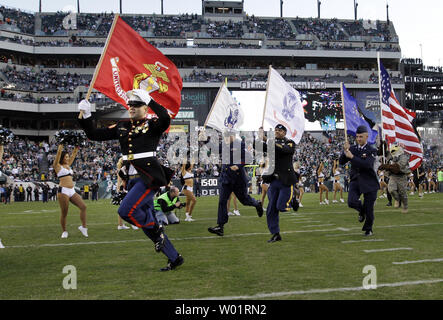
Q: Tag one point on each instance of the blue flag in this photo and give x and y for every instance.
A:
(353, 118)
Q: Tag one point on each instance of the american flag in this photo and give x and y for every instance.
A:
(397, 122)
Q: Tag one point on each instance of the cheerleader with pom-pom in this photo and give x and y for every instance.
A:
(66, 192)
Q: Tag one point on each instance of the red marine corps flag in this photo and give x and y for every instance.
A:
(130, 62)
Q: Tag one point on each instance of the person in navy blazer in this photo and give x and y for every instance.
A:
(233, 179)
(363, 178)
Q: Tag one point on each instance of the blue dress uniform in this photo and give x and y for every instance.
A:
(233, 181)
(363, 180)
(139, 140)
(281, 189)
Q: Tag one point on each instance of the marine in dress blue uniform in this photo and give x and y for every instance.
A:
(139, 138)
(233, 179)
(363, 178)
(281, 192)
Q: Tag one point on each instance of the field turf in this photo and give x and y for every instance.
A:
(322, 255)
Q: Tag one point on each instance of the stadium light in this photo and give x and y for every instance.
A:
(387, 12)
(318, 7)
(40, 6)
(355, 9)
(162, 6)
(120, 6)
(281, 8)
(78, 6)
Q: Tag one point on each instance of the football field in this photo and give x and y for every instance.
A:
(323, 254)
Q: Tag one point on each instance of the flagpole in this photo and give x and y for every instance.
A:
(97, 67)
(266, 96)
(344, 113)
(381, 99)
(213, 104)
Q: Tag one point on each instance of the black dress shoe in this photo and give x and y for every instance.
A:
(361, 218)
(389, 204)
(218, 230)
(275, 237)
(173, 264)
(259, 209)
(368, 233)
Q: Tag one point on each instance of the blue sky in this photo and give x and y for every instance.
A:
(418, 23)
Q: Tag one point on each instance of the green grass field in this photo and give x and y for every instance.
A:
(322, 254)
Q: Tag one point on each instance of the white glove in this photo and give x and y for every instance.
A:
(85, 106)
(143, 95)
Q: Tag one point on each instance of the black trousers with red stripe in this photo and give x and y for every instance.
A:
(137, 208)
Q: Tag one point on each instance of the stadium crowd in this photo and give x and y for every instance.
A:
(27, 160)
(44, 80)
(179, 26)
(29, 79)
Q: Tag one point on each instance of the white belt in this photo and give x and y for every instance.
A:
(139, 155)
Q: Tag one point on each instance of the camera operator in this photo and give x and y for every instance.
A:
(165, 204)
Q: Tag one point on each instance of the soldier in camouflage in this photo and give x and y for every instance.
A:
(397, 167)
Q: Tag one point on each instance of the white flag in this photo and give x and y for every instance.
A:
(225, 113)
(283, 106)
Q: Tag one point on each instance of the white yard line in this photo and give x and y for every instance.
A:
(419, 261)
(343, 234)
(318, 225)
(326, 290)
(306, 221)
(364, 240)
(388, 249)
(33, 211)
(217, 237)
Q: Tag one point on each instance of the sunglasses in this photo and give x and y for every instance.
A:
(136, 104)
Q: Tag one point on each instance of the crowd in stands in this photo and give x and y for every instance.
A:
(44, 80)
(324, 29)
(207, 76)
(172, 26)
(26, 160)
(98, 24)
(24, 96)
(49, 80)
(23, 21)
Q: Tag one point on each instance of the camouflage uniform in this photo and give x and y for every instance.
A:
(398, 168)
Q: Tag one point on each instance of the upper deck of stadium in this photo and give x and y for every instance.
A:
(192, 32)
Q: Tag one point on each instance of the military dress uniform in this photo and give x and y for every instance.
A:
(139, 140)
(398, 167)
(363, 180)
(281, 189)
(233, 181)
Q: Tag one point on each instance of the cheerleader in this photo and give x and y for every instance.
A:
(188, 189)
(337, 184)
(321, 186)
(66, 192)
(299, 183)
(431, 182)
(411, 183)
(421, 182)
